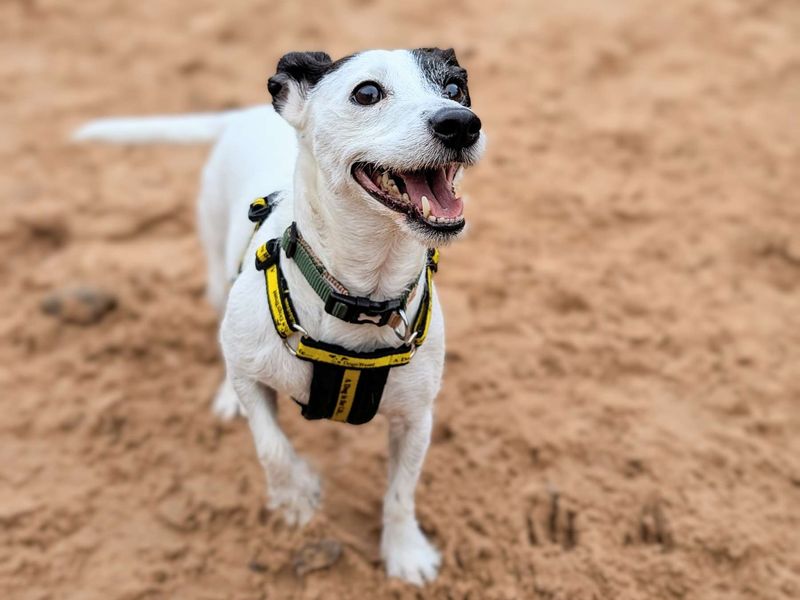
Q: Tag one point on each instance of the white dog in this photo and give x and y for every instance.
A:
(361, 154)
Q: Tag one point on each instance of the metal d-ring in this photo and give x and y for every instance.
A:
(409, 336)
(296, 328)
(404, 318)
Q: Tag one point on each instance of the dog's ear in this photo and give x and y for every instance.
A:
(446, 56)
(296, 74)
(449, 57)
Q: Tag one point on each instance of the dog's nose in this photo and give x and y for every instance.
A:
(457, 128)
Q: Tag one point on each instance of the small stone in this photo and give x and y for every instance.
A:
(82, 305)
(257, 567)
(177, 513)
(316, 556)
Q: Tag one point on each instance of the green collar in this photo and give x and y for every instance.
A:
(339, 302)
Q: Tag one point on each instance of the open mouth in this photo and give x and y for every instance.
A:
(426, 196)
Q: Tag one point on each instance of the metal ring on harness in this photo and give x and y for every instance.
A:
(297, 329)
(407, 337)
(414, 347)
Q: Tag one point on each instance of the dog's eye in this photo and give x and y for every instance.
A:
(367, 93)
(453, 91)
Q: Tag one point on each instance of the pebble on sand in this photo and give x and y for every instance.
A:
(316, 556)
(80, 305)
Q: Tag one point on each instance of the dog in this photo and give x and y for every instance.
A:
(363, 155)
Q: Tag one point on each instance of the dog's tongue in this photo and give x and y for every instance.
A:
(437, 188)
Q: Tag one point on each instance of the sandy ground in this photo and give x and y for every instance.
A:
(621, 405)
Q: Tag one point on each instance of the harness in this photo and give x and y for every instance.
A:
(346, 386)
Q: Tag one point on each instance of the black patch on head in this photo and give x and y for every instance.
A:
(441, 67)
(305, 68)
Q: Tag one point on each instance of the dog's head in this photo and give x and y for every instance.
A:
(392, 128)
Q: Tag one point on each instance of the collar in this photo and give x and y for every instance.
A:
(338, 300)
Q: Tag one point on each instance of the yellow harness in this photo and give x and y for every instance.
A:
(346, 385)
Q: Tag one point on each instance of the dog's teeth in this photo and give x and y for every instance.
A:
(426, 207)
(406, 197)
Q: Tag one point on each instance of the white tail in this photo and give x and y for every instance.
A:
(178, 129)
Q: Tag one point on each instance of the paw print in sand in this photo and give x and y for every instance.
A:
(550, 523)
(651, 527)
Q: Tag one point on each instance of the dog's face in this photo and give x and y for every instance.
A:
(392, 128)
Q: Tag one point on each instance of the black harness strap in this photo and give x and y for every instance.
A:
(349, 395)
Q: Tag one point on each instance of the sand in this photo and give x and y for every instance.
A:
(621, 405)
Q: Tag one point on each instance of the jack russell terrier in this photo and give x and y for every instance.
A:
(329, 297)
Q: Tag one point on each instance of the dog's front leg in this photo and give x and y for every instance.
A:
(294, 487)
(404, 548)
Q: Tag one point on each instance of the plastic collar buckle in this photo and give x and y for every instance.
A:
(360, 310)
(272, 253)
(259, 211)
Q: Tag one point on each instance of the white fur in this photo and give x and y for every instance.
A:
(184, 129)
(368, 247)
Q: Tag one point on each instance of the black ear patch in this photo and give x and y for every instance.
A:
(305, 68)
(446, 57)
(441, 67)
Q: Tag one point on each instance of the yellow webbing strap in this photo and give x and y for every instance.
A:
(347, 393)
(395, 359)
(282, 315)
(426, 308)
(262, 253)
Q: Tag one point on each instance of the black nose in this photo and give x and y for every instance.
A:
(457, 128)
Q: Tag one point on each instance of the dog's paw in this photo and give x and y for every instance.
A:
(297, 495)
(226, 403)
(408, 554)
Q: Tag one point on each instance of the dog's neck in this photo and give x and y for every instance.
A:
(365, 250)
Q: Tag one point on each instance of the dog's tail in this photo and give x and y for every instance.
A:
(176, 129)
